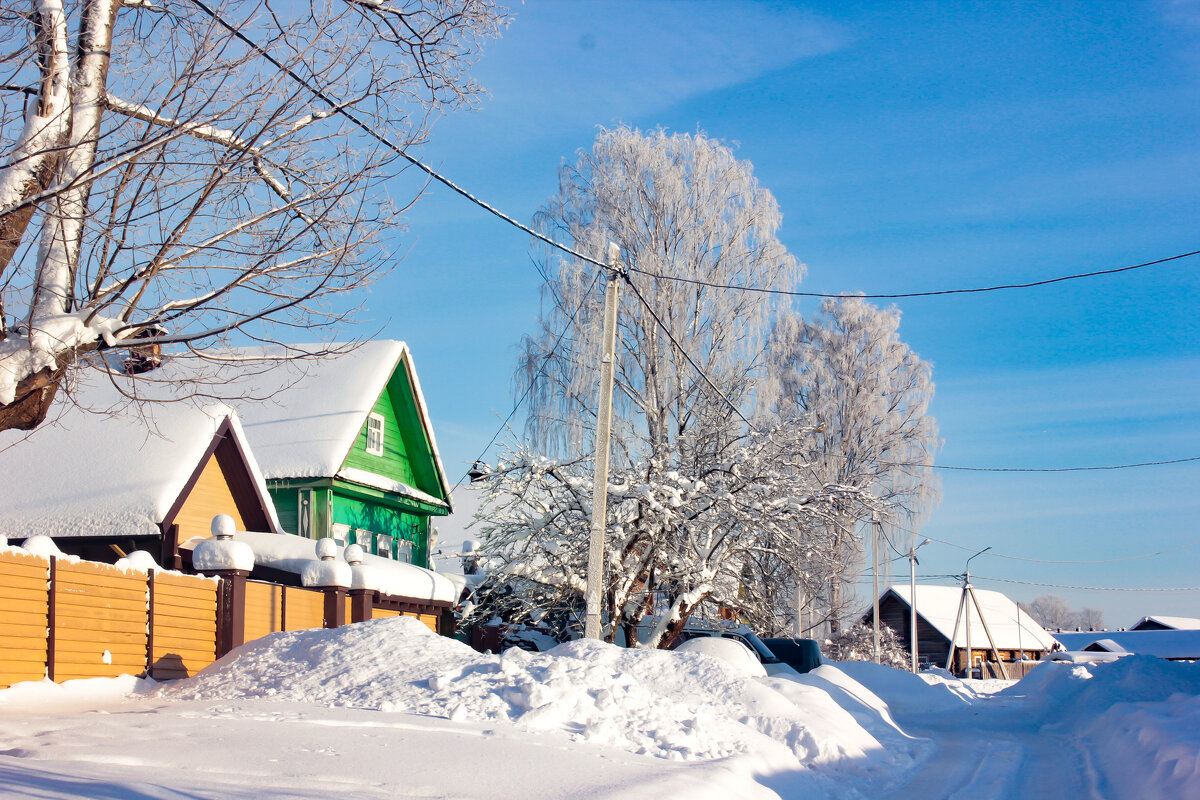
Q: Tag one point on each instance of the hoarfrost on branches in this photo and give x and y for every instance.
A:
(866, 395)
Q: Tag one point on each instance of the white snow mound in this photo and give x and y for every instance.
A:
(657, 703)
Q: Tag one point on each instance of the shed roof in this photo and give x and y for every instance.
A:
(105, 467)
(938, 605)
(1163, 644)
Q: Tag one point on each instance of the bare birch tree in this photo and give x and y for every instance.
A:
(162, 183)
(866, 394)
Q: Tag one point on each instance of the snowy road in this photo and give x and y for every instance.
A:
(988, 752)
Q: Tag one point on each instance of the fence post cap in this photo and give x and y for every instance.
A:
(223, 526)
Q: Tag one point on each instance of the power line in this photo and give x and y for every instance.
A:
(529, 388)
(687, 356)
(400, 151)
(934, 293)
(1094, 588)
(338, 108)
(1051, 561)
(1052, 469)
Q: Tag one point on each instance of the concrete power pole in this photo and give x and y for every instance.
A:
(608, 349)
(875, 582)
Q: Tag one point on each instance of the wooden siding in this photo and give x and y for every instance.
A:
(303, 609)
(99, 620)
(394, 463)
(210, 496)
(183, 631)
(431, 620)
(24, 609)
(383, 613)
(264, 609)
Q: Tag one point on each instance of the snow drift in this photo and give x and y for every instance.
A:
(657, 703)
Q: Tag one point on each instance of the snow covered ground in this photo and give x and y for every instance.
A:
(386, 709)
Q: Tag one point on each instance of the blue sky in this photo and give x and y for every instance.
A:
(910, 147)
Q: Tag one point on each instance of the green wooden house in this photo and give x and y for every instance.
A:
(346, 448)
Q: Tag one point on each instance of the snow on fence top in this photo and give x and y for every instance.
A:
(295, 554)
(938, 605)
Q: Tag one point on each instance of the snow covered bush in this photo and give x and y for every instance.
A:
(856, 643)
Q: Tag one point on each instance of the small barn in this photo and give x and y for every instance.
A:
(105, 477)
(1017, 635)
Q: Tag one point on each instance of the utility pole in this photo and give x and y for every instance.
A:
(875, 583)
(608, 349)
(912, 605)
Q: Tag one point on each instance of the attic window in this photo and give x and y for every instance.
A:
(375, 435)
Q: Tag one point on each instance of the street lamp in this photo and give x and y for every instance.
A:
(912, 606)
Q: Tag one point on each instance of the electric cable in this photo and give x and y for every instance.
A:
(386, 142)
(932, 293)
(975, 577)
(529, 388)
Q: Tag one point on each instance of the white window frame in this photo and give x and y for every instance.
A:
(403, 550)
(383, 545)
(375, 448)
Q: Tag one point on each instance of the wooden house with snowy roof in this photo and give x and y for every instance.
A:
(941, 626)
(105, 478)
(1164, 623)
(345, 444)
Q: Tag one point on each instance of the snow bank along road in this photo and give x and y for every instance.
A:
(386, 709)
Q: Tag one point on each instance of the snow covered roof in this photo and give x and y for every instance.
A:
(1174, 623)
(938, 605)
(291, 553)
(119, 473)
(1163, 644)
(307, 412)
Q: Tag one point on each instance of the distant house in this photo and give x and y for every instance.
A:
(1173, 645)
(1158, 623)
(1016, 634)
(107, 481)
(345, 445)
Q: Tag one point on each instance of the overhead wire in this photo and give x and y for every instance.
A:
(975, 577)
(931, 293)
(340, 110)
(529, 388)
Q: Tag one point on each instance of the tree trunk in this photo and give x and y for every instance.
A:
(35, 395)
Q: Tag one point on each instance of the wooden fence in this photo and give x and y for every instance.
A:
(65, 619)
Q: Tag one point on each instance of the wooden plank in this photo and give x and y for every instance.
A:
(85, 582)
(68, 589)
(23, 655)
(88, 617)
(167, 626)
(383, 613)
(205, 589)
(24, 560)
(183, 614)
(14, 595)
(96, 569)
(187, 659)
(190, 659)
(186, 653)
(185, 581)
(119, 635)
(12, 610)
(10, 676)
(29, 582)
(113, 604)
(84, 651)
(194, 642)
(185, 598)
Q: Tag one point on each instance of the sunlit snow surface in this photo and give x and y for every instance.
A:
(386, 709)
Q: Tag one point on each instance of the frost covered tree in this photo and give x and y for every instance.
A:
(696, 494)
(162, 183)
(675, 541)
(857, 643)
(1053, 612)
(867, 395)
